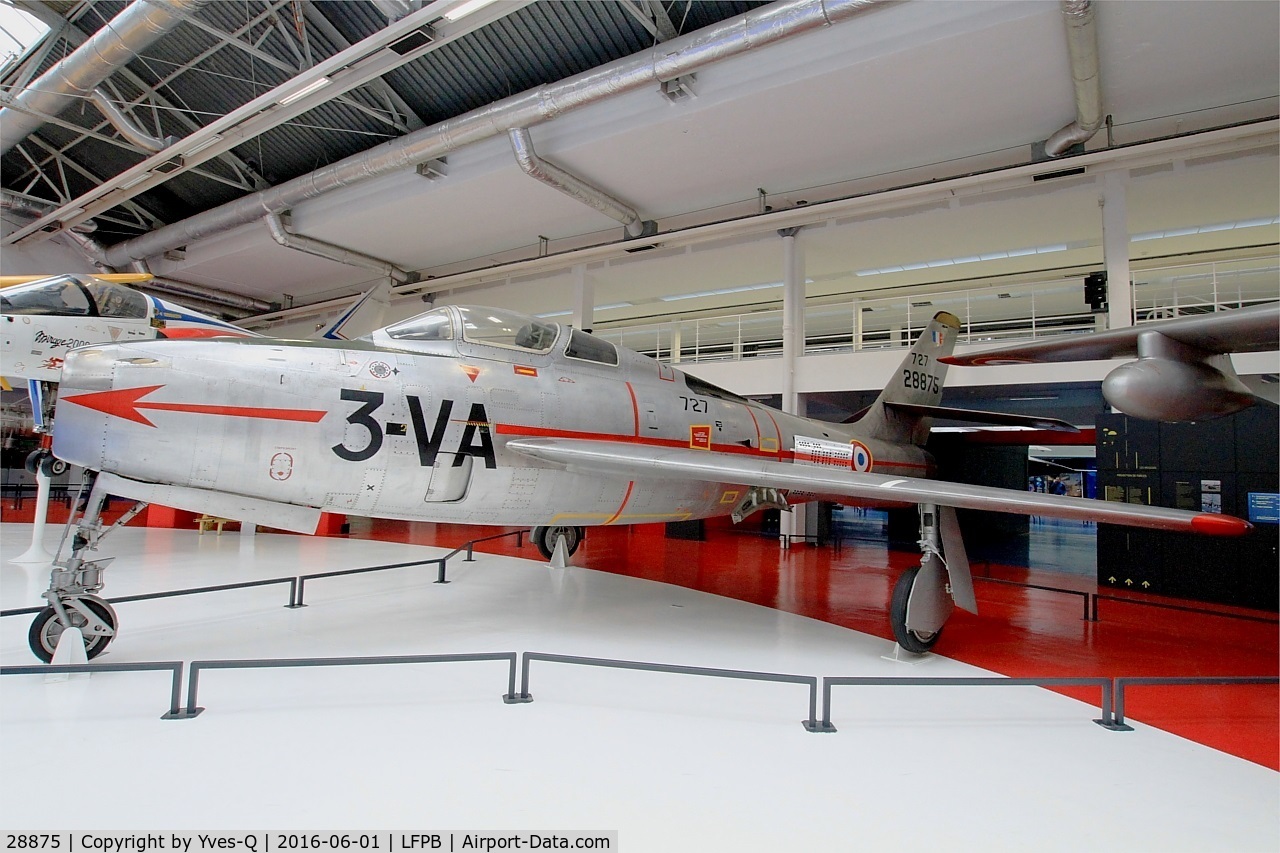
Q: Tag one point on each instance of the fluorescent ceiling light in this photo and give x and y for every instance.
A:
(464, 9)
(969, 259)
(133, 182)
(216, 138)
(565, 313)
(314, 86)
(725, 291)
(1205, 229)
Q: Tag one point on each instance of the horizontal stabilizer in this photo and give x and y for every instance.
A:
(977, 417)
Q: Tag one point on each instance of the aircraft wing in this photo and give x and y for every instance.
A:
(645, 462)
(1253, 329)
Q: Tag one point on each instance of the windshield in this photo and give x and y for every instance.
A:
(62, 296)
(432, 326)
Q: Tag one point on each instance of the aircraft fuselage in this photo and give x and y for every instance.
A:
(368, 429)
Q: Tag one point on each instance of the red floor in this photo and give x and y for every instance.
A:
(1019, 632)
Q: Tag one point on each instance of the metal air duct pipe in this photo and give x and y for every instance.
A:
(1082, 44)
(282, 235)
(666, 61)
(79, 235)
(111, 48)
(125, 125)
(217, 298)
(575, 187)
(29, 209)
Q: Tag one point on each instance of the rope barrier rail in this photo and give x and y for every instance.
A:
(1112, 689)
(1124, 682)
(192, 710)
(174, 666)
(809, 723)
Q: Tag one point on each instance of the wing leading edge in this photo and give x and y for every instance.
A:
(602, 457)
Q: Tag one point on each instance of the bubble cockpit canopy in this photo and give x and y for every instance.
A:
(70, 296)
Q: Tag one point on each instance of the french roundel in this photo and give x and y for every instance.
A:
(861, 457)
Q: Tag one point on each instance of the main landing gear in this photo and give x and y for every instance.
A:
(73, 586)
(545, 538)
(44, 462)
(925, 595)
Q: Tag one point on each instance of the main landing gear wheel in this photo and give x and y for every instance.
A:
(46, 463)
(918, 642)
(545, 538)
(48, 626)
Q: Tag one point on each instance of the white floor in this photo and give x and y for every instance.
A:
(670, 762)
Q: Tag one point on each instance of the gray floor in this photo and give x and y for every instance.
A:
(670, 762)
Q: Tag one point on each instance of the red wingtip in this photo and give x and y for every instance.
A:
(1211, 524)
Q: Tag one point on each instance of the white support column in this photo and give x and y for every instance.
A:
(793, 294)
(37, 553)
(857, 325)
(1115, 248)
(792, 316)
(584, 299)
(676, 342)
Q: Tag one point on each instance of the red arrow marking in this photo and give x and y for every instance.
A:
(125, 404)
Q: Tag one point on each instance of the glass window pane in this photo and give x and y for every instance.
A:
(590, 348)
(61, 297)
(432, 326)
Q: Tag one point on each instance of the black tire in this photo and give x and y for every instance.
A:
(912, 641)
(52, 466)
(47, 629)
(545, 538)
(32, 463)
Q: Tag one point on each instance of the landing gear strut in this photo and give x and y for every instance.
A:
(73, 586)
(545, 538)
(925, 595)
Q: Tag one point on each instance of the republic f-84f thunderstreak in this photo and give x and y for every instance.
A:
(483, 416)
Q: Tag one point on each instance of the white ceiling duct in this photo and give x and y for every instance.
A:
(1082, 46)
(574, 187)
(667, 61)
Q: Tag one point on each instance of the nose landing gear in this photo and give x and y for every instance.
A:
(74, 583)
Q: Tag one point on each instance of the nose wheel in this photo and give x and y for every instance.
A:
(92, 615)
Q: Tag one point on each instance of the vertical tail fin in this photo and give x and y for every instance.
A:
(364, 315)
(918, 381)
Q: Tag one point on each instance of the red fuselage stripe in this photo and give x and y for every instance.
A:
(754, 423)
(522, 431)
(776, 430)
(305, 415)
(631, 484)
(635, 410)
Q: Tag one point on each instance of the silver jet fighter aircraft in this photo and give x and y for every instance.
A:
(483, 416)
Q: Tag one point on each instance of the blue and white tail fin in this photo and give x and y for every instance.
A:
(916, 385)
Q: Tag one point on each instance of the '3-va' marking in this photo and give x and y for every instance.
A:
(475, 439)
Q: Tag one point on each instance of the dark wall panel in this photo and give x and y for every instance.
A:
(1210, 466)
